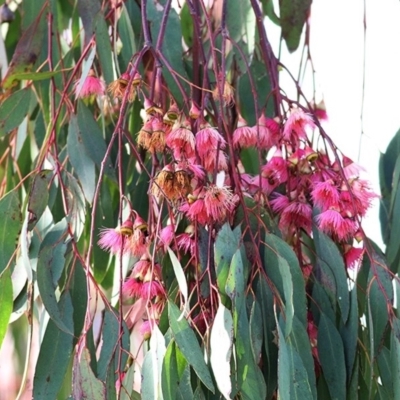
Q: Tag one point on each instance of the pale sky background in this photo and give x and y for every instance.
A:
(337, 49)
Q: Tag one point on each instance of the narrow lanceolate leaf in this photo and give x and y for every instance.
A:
(293, 15)
(104, 47)
(83, 165)
(170, 377)
(328, 252)
(188, 344)
(55, 353)
(11, 222)
(395, 357)
(85, 384)
(38, 196)
(221, 342)
(13, 110)
(6, 301)
(180, 277)
(292, 376)
(152, 366)
(92, 139)
(51, 262)
(331, 356)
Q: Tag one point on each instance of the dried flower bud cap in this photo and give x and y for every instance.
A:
(126, 228)
(191, 198)
(310, 153)
(190, 230)
(241, 122)
(124, 78)
(194, 112)
(150, 107)
(173, 112)
(140, 224)
(137, 78)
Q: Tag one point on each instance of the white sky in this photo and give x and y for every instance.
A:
(337, 48)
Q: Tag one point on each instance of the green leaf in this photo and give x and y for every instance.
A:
(385, 370)
(6, 301)
(330, 255)
(393, 245)
(395, 357)
(300, 342)
(127, 37)
(349, 333)
(92, 139)
(247, 98)
(55, 353)
(292, 376)
(293, 15)
(11, 222)
(380, 296)
(169, 376)
(269, 11)
(221, 342)
(51, 262)
(277, 256)
(226, 245)
(14, 109)
(331, 356)
(29, 46)
(250, 380)
(169, 49)
(38, 76)
(85, 384)
(188, 344)
(152, 366)
(79, 295)
(83, 165)
(181, 279)
(110, 338)
(240, 22)
(103, 47)
(186, 25)
(38, 196)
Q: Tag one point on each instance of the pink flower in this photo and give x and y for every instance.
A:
(167, 235)
(186, 241)
(214, 161)
(132, 287)
(276, 170)
(207, 139)
(92, 86)
(353, 256)
(298, 215)
(325, 195)
(296, 124)
(244, 135)
(115, 240)
(152, 289)
(333, 223)
(195, 209)
(137, 243)
(181, 140)
(218, 202)
(267, 132)
(146, 328)
(279, 203)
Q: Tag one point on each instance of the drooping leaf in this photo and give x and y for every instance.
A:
(103, 47)
(292, 376)
(82, 163)
(92, 139)
(85, 383)
(331, 356)
(171, 52)
(152, 366)
(293, 15)
(395, 357)
(226, 244)
(127, 36)
(51, 262)
(11, 222)
(29, 45)
(181, 279)
(55, 353)
(169, 377)
(13, 110)
(329, 254)
(221, 342)
(38, 196)
(6, 301)
(188, 344)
